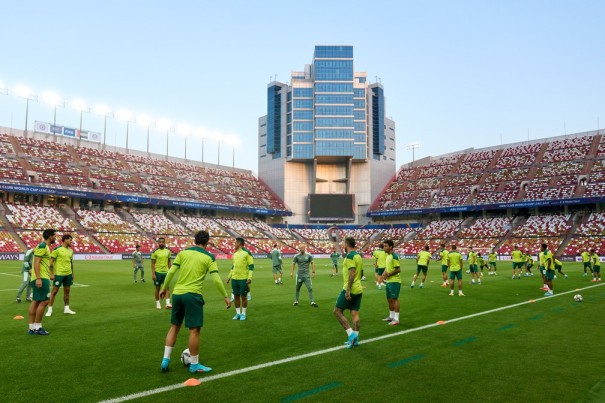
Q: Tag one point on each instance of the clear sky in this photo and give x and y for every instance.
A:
(457, 74)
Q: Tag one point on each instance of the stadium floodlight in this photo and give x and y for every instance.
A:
(165, 125)
(203, 134)
(104, 111)
(24, 92)
(81, 107)
(146, 121)
(185, 130)
(126, 116)
(413, 146)
(234, 142)
(53, 100)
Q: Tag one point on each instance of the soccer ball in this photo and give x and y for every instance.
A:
(577, 298)
(468, 272)
(186, 357)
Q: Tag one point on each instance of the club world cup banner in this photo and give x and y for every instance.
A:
(48, 128)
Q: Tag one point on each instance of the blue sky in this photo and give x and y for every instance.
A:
(456, 74)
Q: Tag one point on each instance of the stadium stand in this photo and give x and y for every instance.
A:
(8, 243)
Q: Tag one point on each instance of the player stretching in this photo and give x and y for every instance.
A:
(481, 262)
(529, 263)
(455, 263)
(334, 257)
(62, 259)
(303, 260)
(350, 296)
(422, 265)
(443, 253)
(28, 259)
(161, 260)
(493, 256)
(277, 265)
(41, 283)
(586, 258)
(473, 268)
(596, 266)
(137, 263)
(193, 265)
(392, 277)
(517, 257)
(240, 277)
(559, 268)
(549, 269)
(380, 259)
(542, 270)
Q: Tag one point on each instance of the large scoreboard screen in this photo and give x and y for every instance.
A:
(331, 207)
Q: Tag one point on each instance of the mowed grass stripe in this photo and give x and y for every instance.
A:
(311, 392)
(333, 349)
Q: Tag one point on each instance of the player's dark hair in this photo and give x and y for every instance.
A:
(202, 237)
(240, 240)
(545, 246)
(275, 245)
(592, 251)
(161, 239)
(388, 242)
(137, 246)
(350, 241)
(426, 247)
(443, 244)
(454, 246)
(65, 237)
(47, 233)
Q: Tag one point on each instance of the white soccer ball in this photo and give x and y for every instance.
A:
(577, 298)
(186, 357)
(468, 271)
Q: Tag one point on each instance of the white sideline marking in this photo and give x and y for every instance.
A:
(75, 285)
(327, 350)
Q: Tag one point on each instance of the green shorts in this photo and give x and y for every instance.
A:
(492, 264)
(517, 265)
(159, 279)
(443, 268)
(139, 266)
(379, 271)
(277, 269)
(65, 281)
(558, 268)
(549, 274)
(187, 306)
(335, 265)
(353, 305)
(473, 268)
(42, 293)
(529, 266)
(457, 274)
(421, 268)
(392, 290)
(587, 265)
(239, 287)
(596, 269)
(542, 269)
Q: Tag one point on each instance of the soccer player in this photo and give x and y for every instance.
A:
(334, 257)
(443, 253)
(277, 265)
(422, 265)
(137, 263)
(350, 296)
(529, 263)
(596, 266)
(28, 259)
(240, 277)
(559, 268)
(493, 256)
(62, 259)
(161, 260)
(380, 259)
(193, 265)
(455, 263)
(473, 268)
(392, 277)
(586, 258)
(303, 260)
(481, 262)
(43, 271)
(517, 257)
(549, 269)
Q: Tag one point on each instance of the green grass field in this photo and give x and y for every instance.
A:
(550, 350)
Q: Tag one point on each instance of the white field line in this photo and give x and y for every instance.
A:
(75, 285)
(328, 350)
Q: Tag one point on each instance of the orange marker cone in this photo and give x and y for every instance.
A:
(441, 322)
(18, 317)
(531, 301)
(192, 382)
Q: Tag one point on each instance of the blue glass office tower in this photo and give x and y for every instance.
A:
(326, 132)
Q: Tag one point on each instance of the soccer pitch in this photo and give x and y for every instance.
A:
(495, 346)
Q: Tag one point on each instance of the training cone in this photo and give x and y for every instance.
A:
(192, 382)
(18, 317)
(531, 301)
(441, 322)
